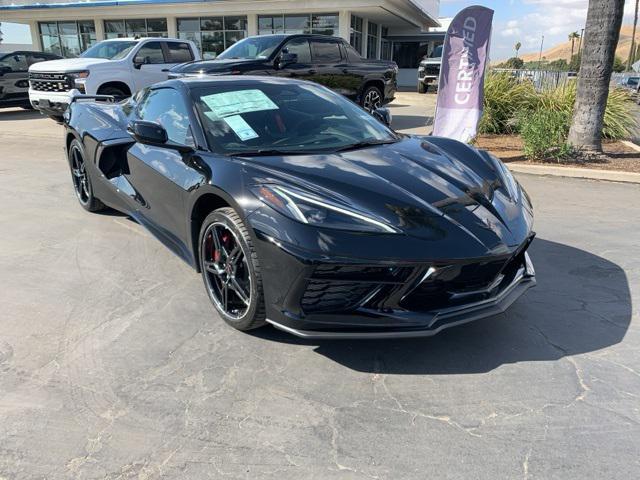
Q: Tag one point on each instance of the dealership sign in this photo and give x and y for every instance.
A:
(461, 87)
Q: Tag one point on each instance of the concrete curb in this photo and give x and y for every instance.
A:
(573, 172)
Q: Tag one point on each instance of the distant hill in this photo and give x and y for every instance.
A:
(563, 50)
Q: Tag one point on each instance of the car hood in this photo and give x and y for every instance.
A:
(428, 188)
(66, 64)
(215, 66)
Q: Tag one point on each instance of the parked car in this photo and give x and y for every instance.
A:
(329, 61)
(630, 83)
(117, 67)
(429, 70)
(14, 77)
(301, 211)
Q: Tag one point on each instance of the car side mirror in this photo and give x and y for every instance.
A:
(139, 61)
(4, 69)
(287, 58)
(148, 133)
(384, 115)
(151, 133)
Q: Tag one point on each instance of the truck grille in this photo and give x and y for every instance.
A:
(49, 82)
(432, 70)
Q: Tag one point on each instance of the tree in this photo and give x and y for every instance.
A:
(573, 36)
(633, 39)
(618, 65)
(517, 47)
(560, 65)
(514, 63)
(574, 64)
(602, 31)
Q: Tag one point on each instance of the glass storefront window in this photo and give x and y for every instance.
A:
(320, 23)
(372, 40)
(67, 39)
(409, 54)
(212, 34)
(135, 27)
(356, 33)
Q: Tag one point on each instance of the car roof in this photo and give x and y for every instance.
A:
(142, 39)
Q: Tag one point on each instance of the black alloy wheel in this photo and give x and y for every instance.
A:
(231, 271)
(371, 99)
(81, 180)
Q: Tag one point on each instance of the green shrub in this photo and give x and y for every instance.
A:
(544, 133)
(504, 98)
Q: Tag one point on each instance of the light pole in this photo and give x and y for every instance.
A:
(540, 57)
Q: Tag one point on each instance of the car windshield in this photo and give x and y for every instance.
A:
(110, 50)
(276, 118)
(633, 81)
(253, 47)
(437, 52)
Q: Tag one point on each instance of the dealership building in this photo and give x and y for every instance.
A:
(396, 30)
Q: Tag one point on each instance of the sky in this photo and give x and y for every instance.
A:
(522, 21)
(525, 21)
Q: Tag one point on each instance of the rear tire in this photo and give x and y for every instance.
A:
(233, 282)
(81, 179)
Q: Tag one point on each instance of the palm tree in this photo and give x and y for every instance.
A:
(602, 31)
(517, 47)
(573, 36)
(633, 39)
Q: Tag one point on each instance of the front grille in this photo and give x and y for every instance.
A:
(338, 288)
(50, 82)
(453, 285)
(431, 70)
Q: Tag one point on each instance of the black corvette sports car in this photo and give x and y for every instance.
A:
(302, 210)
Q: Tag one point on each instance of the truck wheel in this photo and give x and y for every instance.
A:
(422, 88)
(371, 99)
(114, 91)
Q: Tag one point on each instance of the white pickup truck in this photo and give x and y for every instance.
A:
(118, 67)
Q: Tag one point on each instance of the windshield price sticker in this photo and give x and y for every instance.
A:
(242, 101)
(240, 127)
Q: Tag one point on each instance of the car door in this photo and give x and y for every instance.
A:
(161, 176)
(150, 63)
(301, 68)
(14, 83)
(354, 70)
(326, 56)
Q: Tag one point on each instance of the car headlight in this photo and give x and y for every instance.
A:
(313, 210)
(78, 75)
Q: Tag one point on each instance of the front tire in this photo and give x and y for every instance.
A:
(372, 98)
(81, 179)
(422, 88)
(231, 270)
(114, 92)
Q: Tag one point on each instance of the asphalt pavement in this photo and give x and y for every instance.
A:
(114, 365)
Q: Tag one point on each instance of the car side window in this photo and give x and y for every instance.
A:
(326, 52)
(352, 53)
(165, 107)
(37, 57)
(16, 62)
(179, 52)
(151, 53)
(300, 47)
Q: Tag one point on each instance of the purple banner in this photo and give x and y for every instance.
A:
(461, 88)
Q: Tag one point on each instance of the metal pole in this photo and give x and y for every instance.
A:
(633, 39)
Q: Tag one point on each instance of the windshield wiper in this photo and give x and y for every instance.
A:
(366, 143)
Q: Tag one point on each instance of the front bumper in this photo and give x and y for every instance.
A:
(50, 103)
(339, 298)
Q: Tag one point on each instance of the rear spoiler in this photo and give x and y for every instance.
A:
(76, 96)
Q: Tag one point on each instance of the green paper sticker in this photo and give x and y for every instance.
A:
(241, 128)
(240, 101)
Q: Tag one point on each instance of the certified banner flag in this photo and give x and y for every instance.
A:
(461, 88)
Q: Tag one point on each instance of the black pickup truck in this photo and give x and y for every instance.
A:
(329, 61)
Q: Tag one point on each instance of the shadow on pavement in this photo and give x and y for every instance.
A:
(19, 114)
(582, 304)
